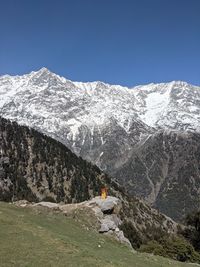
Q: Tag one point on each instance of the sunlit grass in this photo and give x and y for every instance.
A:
(29, 238)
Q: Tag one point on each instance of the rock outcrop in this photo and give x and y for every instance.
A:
(106, 212)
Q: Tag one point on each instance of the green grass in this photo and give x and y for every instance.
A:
(29, 238)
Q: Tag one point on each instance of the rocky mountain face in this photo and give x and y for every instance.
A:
(36, 167)
(107, 125)
(88, 119)
(168, 164)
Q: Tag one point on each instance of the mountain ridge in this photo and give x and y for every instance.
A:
(102, 123)
(45, 69)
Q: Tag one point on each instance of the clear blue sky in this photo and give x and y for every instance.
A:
(126, 42)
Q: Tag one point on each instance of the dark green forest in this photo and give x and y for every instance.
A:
(36, 167)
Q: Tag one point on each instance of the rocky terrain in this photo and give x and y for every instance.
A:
(109, 124)
(168, 163)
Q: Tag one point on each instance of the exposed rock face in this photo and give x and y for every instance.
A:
(108, 205)
(109, 224)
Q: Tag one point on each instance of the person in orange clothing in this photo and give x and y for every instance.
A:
(104, 193)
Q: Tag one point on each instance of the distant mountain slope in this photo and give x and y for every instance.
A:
(104, 123)
(165, 170)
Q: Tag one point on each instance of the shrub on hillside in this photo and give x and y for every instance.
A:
(132, 234)
(176, 248)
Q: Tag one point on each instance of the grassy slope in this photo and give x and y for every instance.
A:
(29, 238)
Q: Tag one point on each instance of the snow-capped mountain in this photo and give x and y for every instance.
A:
(87, 117)
(103, 123)
(174, 105)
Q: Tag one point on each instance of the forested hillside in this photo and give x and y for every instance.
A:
(36, 167)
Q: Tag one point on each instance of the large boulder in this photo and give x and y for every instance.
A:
(109, 205)
(107, 224)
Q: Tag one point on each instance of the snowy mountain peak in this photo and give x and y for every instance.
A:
(42, 72)
(43, 69)
(57, 102)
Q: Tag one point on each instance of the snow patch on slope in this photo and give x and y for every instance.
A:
(156, 104)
